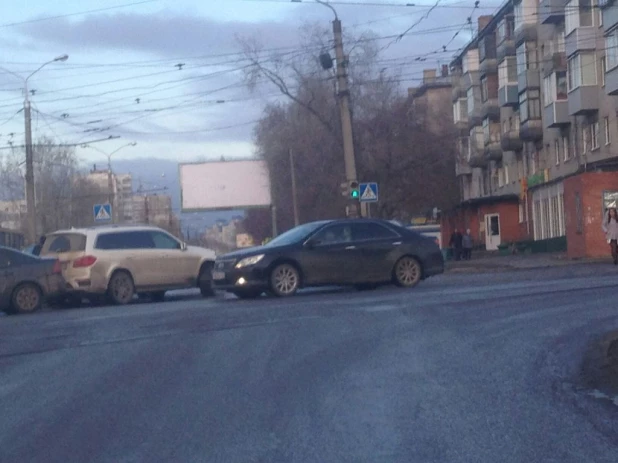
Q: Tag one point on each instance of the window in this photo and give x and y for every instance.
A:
(66, 242)
(518, 11)
(125, 240)
(594, 135)
(521, 213)
(529, 105)
(338, 233)
(603, 70)
(371, 231)
(486, 133)
(582, 71)
(507, 72)
(585, 131)
(611, 49)
(470, 100)
(460, 110)
(557, 151)
(484, 89)
(579, 13)
(565, 148)
(505, 29)
(526, 58)
(164, 241)
(606, 130)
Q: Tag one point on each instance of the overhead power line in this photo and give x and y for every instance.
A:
(78, 13)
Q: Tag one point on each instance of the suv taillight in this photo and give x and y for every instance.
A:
(85, 261)
(57, 267)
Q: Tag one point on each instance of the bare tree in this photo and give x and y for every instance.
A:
(411, 160)
(64, 195)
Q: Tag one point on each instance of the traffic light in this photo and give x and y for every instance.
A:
(350, 190)
(354, 192)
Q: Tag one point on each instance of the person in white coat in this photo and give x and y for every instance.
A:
(610, 228)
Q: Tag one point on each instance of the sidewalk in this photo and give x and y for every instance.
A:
(489, 262)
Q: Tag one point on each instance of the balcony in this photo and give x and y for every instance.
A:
(556, 114)
(470, 79)
(529, 79)
(526, 32)
(457, 90)
(583, 100)
(582, 38)
(554, 61)
(493, 146)
(477, 153)
(611, 82)
(490, 109)
(610, 16)
(461, 125)
(551, 11)
(505, 48)
(531, 130)
(462, 168)
(511, 141)
(508, 95)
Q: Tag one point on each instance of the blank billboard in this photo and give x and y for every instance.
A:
(222, 185)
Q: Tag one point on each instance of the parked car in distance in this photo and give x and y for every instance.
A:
(119, 261)
(27, 281)
(360, 252)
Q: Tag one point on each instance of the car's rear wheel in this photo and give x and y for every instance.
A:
(121, 288)
(27, 298)
(284, 280)
(248, 294)
(204, 280)
(407, 272)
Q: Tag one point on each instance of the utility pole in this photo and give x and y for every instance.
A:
(294, 193)
(30, 198)
(343, 94)
(110, 187)
(30, 190)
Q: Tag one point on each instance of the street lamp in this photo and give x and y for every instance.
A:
(110, 183)
(30, 199)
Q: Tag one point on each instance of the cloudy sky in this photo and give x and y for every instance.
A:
(121, 77)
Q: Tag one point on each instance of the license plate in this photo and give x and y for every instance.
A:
(216, 275)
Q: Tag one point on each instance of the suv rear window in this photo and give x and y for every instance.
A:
(65, 242)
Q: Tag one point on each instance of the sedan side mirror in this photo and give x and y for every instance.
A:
(311, 243)
(183, 246)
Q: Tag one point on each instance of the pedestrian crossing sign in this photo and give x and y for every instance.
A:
(102, 212)
(369, 192)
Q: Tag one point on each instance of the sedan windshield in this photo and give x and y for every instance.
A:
(296, 234)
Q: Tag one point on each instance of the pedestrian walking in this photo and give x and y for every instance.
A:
(456, 244)
(39, 246)
(610, 228)
(466, 242)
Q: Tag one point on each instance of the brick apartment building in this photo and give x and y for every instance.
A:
(535, 108)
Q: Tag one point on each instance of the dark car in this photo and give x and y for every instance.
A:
(26, 281)
(362, 252)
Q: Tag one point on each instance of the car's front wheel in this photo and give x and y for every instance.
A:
(284, 280)
(121, 288)
(407, 272)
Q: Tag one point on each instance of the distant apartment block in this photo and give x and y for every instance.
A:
(121, 192)
(534, 103)
(12, 214)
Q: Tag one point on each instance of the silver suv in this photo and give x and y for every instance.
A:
(119, 261)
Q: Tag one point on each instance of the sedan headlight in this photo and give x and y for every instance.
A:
(248, 261)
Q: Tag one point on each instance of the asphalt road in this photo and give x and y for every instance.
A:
(463, 368)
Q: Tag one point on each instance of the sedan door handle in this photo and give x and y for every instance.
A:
(396, 243)
(350, 247)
